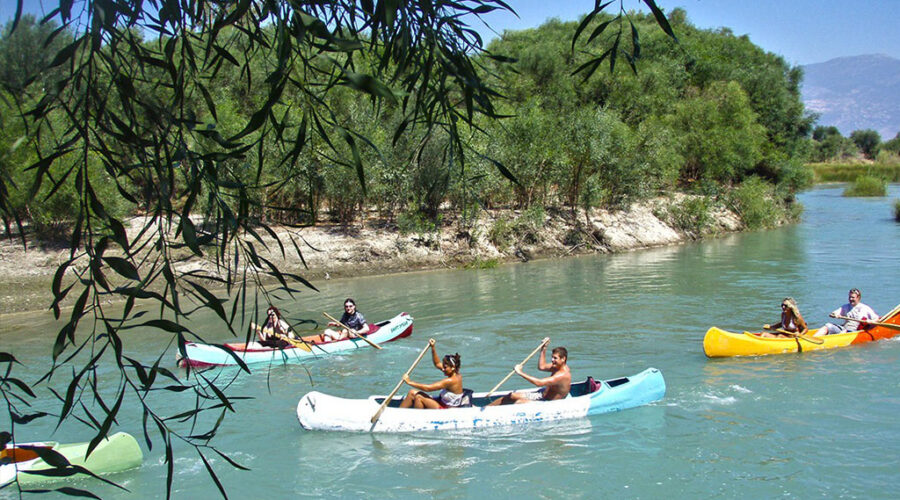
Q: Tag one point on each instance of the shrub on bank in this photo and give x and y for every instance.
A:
(692, 215)
(897, 210)
(755, 203)
(867, 185)
(525, 228)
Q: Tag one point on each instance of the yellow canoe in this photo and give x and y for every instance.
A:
(719, 343)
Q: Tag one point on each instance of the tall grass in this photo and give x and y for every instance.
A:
(867, 185)
(836, 172)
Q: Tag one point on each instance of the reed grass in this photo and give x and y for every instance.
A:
(867, 185)
(848, 172)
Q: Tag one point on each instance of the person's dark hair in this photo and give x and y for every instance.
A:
(561, 351)
(856, 291)
(452, 360)
(273, 308)
(348, 299)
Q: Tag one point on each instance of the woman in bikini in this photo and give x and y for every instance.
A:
(451, 387)
(791, 320)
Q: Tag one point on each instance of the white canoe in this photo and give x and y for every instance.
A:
(318, 411)
(201, 355)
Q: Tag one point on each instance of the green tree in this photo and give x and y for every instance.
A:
(829, 144)
(719, 135)
(892, 145)
(867, 141)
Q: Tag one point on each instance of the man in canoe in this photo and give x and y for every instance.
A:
(556, 386)
(352, 324)
(855, 310)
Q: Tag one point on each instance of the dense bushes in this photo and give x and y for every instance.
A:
(867, 185)
(703, 116)
(754, 201)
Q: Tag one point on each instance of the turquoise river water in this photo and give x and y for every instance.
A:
(823, 424)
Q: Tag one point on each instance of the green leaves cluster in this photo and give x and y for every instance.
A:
(867, 185)
(701, 115)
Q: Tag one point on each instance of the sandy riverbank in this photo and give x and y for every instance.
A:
(378, 247)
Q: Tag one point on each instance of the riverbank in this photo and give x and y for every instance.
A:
(381, 247)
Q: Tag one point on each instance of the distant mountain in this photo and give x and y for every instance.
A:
(854, 93)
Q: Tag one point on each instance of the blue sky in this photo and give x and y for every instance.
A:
(802, 31)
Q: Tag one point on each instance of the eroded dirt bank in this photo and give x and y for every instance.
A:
(379, 247)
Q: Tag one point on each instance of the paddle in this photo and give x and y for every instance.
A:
(294, 342)
(807, 338)
(373, 344)
(391, 395)
(299, 344)
(543, 343)
(869, 322)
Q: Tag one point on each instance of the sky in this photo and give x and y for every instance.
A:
(801, 31)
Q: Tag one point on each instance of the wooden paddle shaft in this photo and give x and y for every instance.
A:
(299, 344)
(543, 343)
(796, 335)
(373, 344)
(397, 388)
(868, 322)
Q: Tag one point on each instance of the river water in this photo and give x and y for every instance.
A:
(821, 424)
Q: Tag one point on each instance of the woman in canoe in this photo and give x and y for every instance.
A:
(451, 387)
(272, 333)
(791, 321)
(351, 324)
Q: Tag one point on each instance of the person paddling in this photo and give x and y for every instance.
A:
(451, 395)
(556, 386)
(275, 328)
(352, 319)
(791, 321)
(854, 309)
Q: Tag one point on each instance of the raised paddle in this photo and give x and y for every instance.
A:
(807, 338)
(373, 344)
(869, 322)
(397, 388)
(538, 348)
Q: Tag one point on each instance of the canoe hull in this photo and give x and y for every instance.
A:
(205, 355)
(117, 453)
(719, 343)
(318, 411)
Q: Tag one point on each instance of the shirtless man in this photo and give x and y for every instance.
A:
(556, 386)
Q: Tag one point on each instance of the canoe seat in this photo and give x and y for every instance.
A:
(17, 455)
(466, 398)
